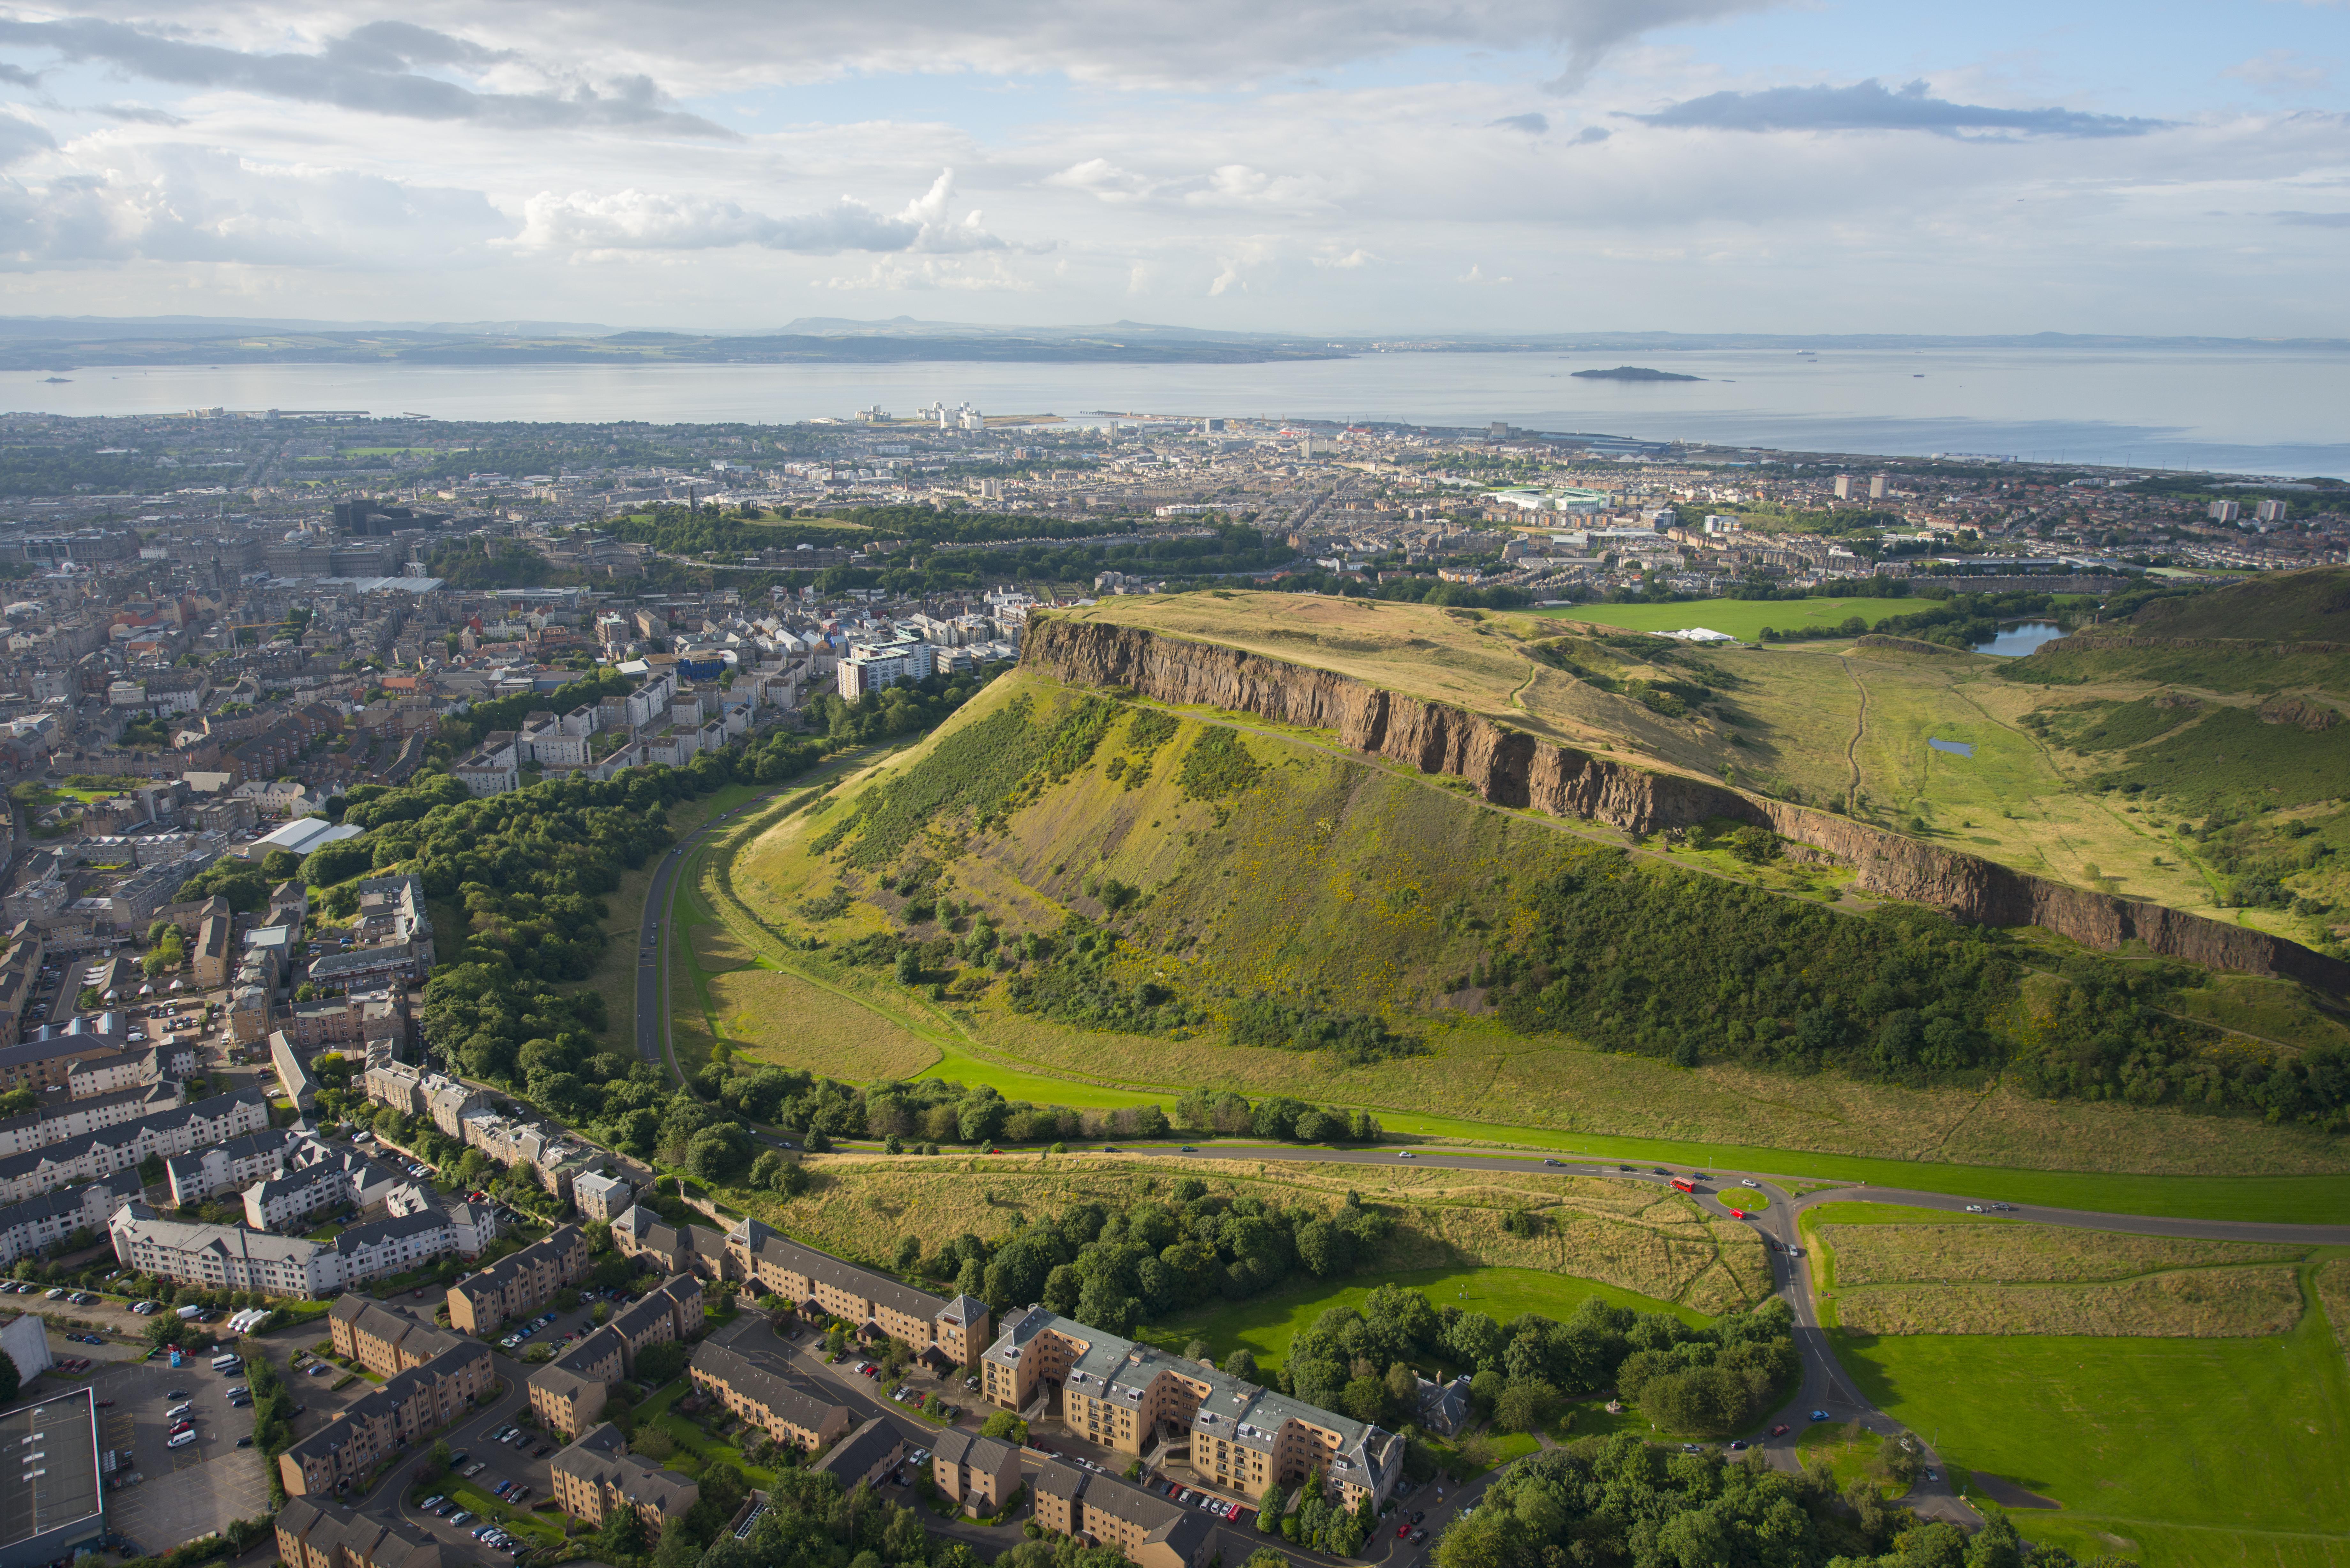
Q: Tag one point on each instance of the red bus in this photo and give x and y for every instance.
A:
(1683, 1184)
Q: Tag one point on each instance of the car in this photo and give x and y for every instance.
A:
(1748, 1181)
(503, 1487)
(1189, 1148)
(476, 1468)
(176, 1411)
(53, 1294)
(1738, 1445)
(1406, 1153)
(1550, 1162)
(319, 1369)
(1822, 1416)
(244, 1442)
(179, 1427)
(483, 1531)
(1933, 1475)
(1403, 1530)
(1660, 1170)
(1623, 1167)
(177, 1393)
(430, 1504)
(541, 1451)
(458, 1459)
(1974, 1208)
(461, 1516)
(1419, 1535)
(179, 1439)
(1780, 1430)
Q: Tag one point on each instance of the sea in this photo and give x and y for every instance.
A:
(2242, 408)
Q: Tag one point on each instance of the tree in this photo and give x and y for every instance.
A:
(1242, 1363)
(1005, 1425)
(280, 865)
(1526, 1405)
(1197, 1350)
(623, 1535)
(1268, 1519)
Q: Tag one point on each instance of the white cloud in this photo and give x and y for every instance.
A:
(2283, 71)
(634, 220)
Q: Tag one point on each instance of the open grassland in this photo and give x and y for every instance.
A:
(1266, 1325)
(2332, 1281)
(1611, 1233)
(1740, 618)
(2199, 1303)
(2023, 1253)
(773, 1016)
(1851, 1451)
(2206, 1452)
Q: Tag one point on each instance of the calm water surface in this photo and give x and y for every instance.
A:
(2248, 409)
(2015, 641)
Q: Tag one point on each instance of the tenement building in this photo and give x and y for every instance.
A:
(1130, 1397)
(765, 1399)
(1152, 1530)
(313, 1534)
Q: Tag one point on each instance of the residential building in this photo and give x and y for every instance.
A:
(385, 1339)
(374, 1428)
(596, 1474)
(234, 1258)
(767, 1400)
(519, 1284)
(315, 1534)
(945, 1332)
(416, 1092)
(39, 1224)
(1123, 1396)
(640, 1232)
(224, 1167)
(568, 1394)
(603, 1197)
(123, 1145)
(668, 1314)
(865, 1456)
(980, 1473)
(58, 1118)
(293, 1074)
(1150, 1528)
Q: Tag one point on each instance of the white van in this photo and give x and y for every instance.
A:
(176, 1411)
(182, 1441)
(227, 1363)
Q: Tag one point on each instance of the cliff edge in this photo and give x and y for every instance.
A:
(1512, 768)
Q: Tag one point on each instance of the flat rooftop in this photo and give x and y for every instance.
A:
(50, 1478)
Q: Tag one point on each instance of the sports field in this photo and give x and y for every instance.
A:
(1740, 618)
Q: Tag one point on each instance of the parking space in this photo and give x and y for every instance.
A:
(185, 1491)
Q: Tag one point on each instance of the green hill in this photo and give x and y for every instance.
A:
(2289, 607)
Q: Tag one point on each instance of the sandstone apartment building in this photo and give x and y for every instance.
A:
(596, 1475)
(313, 1534)
(1152, 1530)
(519, 1284)
(944, 1332)
(1243, 1437)
(569, 1393)
(404, 1412)
(764, 1398)
(977, 1472)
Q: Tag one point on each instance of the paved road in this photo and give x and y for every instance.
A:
(653, 1042)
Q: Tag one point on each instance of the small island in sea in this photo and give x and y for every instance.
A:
(1634, 373)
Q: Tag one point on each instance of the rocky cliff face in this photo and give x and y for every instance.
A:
(1512, 768)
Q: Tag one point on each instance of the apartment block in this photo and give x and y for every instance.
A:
(519, 1284)
(865, 1456)
(413, 1092)
(667, 1314)
(233, 1258)
(596, 1475)
(314, 1534)
(1126, 1397)
(385, 1339)
(603, 1197)
(59, 1117)
(39, 1224)
(977, 1473)
(785, 1412)
(173, 1131)
(409, 1407)
(946, 1332)
(227, 1167)
(568, 1394)
(1152, 1530)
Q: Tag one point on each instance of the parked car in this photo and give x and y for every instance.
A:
(430, 1504)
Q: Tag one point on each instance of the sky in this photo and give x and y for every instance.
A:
(1380, 166)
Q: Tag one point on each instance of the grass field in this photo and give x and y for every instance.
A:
(1879, 1253)
(2195, 1304)
(1851, 1451)
(1266, 1325)
(2188, 1451)
(1740, 618)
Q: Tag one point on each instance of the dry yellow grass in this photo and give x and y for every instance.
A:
(1986, 1254)
(769, 1017)
(2333, 1279)
(2199, 1304)
(861, 1204)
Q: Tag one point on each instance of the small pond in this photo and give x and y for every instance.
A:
(1961, 748)
(2024, 636)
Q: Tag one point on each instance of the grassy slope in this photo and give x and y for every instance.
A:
(1338, 923)
(1743, 618)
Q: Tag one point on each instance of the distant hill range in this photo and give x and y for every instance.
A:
(64, 343)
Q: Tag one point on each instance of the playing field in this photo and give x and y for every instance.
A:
(1740, 618)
